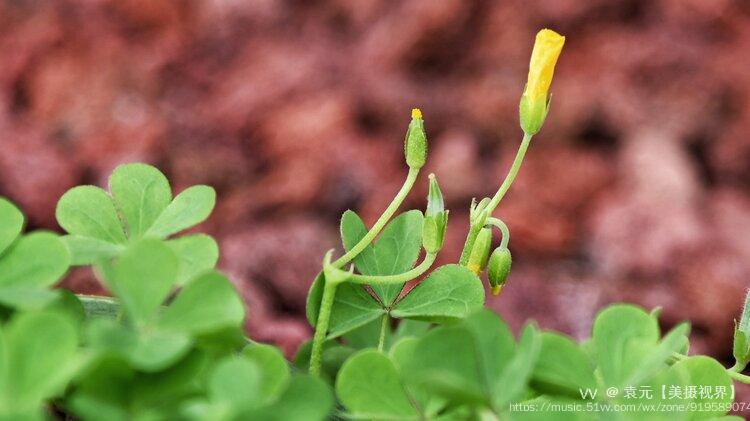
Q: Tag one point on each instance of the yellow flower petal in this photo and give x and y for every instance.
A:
(544, 56)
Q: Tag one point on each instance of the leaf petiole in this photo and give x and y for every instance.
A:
(395, 279)
(329, 288)
(411, 178)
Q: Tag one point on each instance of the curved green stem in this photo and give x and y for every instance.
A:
(395, 279)
(503, 229)
(511, 173)
(738, 367)
(739, 377)
(329, 288)
(380, 223)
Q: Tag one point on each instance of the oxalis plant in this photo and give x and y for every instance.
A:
(168, 343)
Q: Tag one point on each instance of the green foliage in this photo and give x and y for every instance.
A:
(39, 356)
(101, 225)
(29, 264)
(169, 343)
(451, 292)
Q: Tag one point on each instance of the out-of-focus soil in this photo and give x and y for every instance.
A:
(637, 188)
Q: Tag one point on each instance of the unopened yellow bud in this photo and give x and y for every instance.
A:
(535, 98)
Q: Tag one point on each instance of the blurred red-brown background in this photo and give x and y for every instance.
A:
(636, 189)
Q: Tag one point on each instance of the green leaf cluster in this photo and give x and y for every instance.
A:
(169, 342)
(475, 369)
(449, 293)
(139, 205)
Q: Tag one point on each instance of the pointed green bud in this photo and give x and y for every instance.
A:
(480, 252)
(435, 219)
(433, 232)
(415, 144)
(741, 348)
(435, 202)
(498, 269)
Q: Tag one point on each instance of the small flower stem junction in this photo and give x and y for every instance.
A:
(329, 288)
(504, 187)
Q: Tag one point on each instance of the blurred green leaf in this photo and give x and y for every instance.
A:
(369, 386)
(512, 382)
(275, 375)
(236, 382)
(142, 277)
(37, 260)
(563, 368)
(87, 250)
(623, 335)
(206, 304)
(40, 358)
(11, 223)
(306, 399)
(198, 253)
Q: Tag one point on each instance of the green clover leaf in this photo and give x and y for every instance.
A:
(100, 224)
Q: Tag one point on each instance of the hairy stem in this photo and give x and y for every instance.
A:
(380, 223)
(395, 279)
(321, 327)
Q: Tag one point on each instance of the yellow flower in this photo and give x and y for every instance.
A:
(544, 56)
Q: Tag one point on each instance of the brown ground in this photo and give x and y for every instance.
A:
(636, 189)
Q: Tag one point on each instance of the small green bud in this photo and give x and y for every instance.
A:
(415, 144)
(741, 348)
(480, 252)
(433, 232)
(435, 220)
(498, 269)
(435, 202)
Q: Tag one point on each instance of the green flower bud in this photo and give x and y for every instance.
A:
(415, 144)
(435, 202)
(435, 220)
(498, 268)
(480, 252)
(741, 348)
(433, 232)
